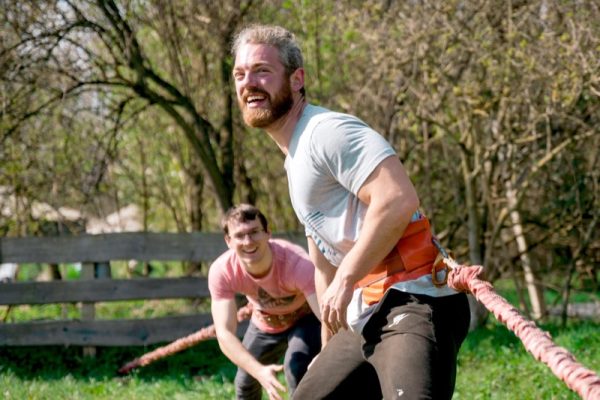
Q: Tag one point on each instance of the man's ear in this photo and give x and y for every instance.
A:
(297, 79)
(227, 240)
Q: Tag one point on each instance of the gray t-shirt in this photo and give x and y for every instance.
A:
(330, 156)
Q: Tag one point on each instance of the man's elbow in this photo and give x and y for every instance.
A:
(412, 202)
(222, 339)
(405, 205)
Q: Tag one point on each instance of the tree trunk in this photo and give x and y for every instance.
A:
(536, 297)
(478, 311)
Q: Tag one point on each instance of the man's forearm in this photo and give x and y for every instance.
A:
(233, 349)
(324, 274)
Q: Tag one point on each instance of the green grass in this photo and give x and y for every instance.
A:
(493, 364)
(201, 372)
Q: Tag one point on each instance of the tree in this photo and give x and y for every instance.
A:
(493, 110)
(487, 103)
(110, 52)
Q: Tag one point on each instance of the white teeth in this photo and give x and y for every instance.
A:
(255, 98)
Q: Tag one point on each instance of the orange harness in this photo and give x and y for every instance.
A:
(413, 256)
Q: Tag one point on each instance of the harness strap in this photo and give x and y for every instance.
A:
(413, 256)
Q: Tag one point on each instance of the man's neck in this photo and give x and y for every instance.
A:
(281, 131)
(262, 268)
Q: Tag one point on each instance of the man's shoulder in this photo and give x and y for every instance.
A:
(334, 128)
(321, 114)
(288, 253)
(225, 261)
(318, 115)
(285, 246)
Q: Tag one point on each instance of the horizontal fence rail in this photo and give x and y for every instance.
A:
(123, 332)
(146, 246)
(102, 290)
(101, 249)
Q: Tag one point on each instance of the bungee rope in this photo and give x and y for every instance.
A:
(563, 364)
(183, 343)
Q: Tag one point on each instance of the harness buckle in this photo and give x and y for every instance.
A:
(436, 267)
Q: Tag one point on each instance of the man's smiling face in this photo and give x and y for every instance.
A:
(249, 240)
(262, 86)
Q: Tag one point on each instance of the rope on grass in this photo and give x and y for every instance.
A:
(563, 364)
(181, 344)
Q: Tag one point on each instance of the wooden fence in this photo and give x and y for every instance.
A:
(95, 253)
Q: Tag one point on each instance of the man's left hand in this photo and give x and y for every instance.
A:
(334, 302)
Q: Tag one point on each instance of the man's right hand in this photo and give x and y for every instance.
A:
(267, 376)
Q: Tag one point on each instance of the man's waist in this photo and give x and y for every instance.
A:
(412, 257)
(285, 319)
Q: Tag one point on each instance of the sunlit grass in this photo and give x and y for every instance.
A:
(56, 372)
(137, 309)
(493, 363)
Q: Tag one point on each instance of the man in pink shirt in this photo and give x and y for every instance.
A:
(277, 278)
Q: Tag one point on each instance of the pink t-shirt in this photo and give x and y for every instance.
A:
(283, 290)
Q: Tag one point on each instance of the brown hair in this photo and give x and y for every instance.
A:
(243, 213)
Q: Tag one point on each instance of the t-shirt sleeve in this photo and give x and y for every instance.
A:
(349, 150)
(306, 278)
(300, 270)
(220, 279)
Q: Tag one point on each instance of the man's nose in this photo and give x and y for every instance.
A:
(249, 80)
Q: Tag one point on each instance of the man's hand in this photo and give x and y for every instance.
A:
(267, 376)
(334, 303)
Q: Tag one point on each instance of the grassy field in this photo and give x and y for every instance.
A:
(493, 364)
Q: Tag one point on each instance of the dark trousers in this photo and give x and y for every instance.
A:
(407, 350)
(298, 345)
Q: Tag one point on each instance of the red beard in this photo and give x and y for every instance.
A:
(280, 104)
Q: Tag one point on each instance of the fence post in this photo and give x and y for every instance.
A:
(88, 310)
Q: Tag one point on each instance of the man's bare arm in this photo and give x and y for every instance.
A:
(225, 321)
(324, 273)
(391, 201)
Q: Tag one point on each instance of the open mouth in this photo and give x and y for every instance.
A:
(251, 250)
(255, 99)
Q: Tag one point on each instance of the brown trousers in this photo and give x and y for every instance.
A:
(407, 350)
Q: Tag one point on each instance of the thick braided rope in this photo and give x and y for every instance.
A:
(181, 344)
(581, 380)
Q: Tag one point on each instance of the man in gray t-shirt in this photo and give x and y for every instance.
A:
(356, 202)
